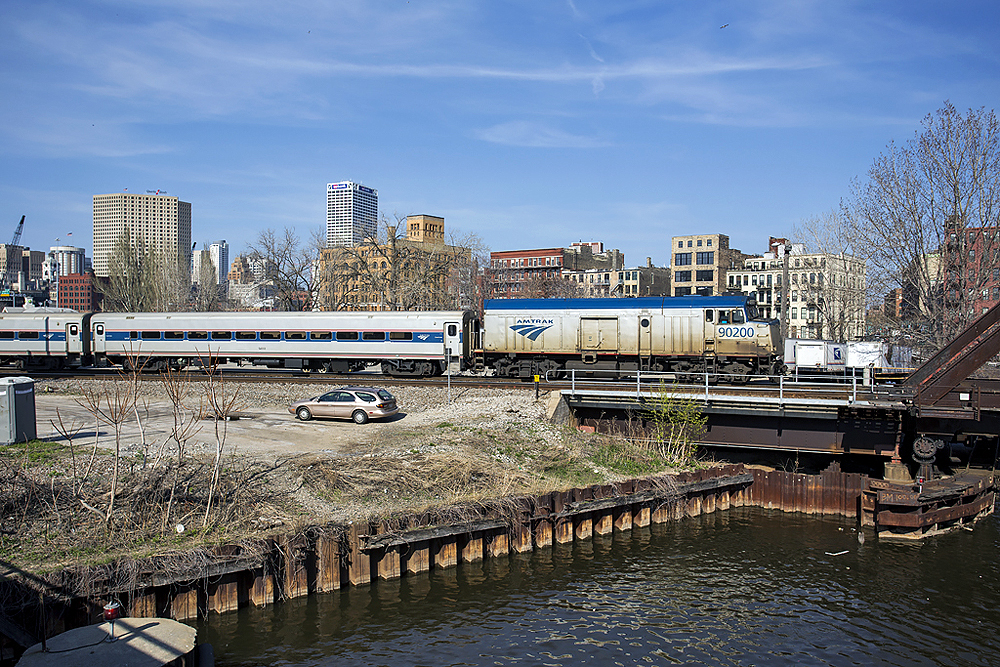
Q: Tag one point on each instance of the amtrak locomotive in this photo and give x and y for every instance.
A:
(516, 338)
(694, 334)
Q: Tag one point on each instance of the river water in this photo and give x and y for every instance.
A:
(741, 587)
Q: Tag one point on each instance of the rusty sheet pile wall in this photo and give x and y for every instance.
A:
(830, 492)
(326, 558)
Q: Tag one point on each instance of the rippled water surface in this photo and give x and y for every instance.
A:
(743, 587)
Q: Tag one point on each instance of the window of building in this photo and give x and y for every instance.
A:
(682, 291)
(753, 280)
(682, 276)
(680, 244)
(746, 279)
(699, 243)
(769, 280)
(708, 242)
(706, 258)
(795, 313)
(689, 244)
(683, 259)
(705, 275)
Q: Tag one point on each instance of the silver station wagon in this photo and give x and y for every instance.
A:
(357, 403)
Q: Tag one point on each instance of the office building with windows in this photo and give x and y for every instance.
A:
(351, 214)
(826, 292)
(699, 263)
(153, 222)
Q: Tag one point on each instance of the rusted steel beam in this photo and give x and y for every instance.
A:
(924, 519)
(958, 359)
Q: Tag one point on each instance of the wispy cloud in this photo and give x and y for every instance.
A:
(536, 135)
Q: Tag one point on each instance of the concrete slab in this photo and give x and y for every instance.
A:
(138, 642)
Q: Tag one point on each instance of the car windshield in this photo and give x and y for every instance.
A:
(384, 395)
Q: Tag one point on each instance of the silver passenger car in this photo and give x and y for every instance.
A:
(357, 403)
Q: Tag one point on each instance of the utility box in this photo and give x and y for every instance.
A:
(17, 410)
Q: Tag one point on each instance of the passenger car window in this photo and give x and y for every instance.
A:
(151, 335)
(327, 398)
(364, 396)
(173, 335)
(345, 397)
(373, 335)
(347, 335)
(400, 335)
(452, 330)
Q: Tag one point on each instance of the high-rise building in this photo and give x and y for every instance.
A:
(219, 252)
(351, 213)
(68, 259)
(153, 222)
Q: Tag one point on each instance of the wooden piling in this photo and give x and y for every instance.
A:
(358, 562)
(327, 563)
(444, 553)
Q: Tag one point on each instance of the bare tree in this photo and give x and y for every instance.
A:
(925, 219)
(841, 293)
(290, 265)
(144, 279)
(390, 271)
(556, 287)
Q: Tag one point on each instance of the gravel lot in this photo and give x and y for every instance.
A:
(267, 429)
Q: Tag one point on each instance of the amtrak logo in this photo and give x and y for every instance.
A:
(423, 336)
(532, 328)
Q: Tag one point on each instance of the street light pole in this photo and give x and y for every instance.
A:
(787, 248)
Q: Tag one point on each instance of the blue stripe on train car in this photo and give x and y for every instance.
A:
(52, 336)
(418, 337)
(638, 303)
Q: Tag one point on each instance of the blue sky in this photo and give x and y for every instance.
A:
(530, 123)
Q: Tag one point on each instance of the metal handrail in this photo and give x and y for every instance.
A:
(800, 384)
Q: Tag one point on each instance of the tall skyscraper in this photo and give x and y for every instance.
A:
(153, 221)
(351, 213)
(219, 252)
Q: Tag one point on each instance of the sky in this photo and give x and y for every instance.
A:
(531, 124)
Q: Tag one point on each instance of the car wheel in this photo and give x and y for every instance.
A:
(360, 416)
(303, 414)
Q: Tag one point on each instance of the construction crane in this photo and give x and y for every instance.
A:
(17, 232)
(4, 282)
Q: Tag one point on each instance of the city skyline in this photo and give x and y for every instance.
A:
(572, 121)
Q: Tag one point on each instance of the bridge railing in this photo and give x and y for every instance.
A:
(801, 385)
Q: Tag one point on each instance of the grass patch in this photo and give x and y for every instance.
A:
(36, 451)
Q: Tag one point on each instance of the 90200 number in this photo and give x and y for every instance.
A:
(736, 332)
